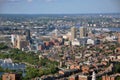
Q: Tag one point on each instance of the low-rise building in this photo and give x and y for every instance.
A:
(11, 76)
(83, 77)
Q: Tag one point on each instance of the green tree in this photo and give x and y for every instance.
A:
(118, 78)
(32, 72)
(3, 46)
(1, 69)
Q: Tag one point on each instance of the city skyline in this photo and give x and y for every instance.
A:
(58, 6)
(59, 40)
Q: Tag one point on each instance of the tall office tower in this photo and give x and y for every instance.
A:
(21, 42)
(73, 33)
(13, 39)
(28, 37)
(18, 42)
(28, 34)
(83, 32)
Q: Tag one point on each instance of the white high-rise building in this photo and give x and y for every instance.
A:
(93, 76)
(13, 39)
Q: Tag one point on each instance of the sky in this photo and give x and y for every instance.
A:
(59, 6)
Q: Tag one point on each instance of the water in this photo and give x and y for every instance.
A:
(114, 29)
(107, 29)
(8, 64)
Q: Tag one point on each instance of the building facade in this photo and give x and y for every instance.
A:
(73, 33)
(11, 76)
(83, 32)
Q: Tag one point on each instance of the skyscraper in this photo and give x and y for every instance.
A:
(73, 33)
(13, 39)
(28, 34)
(28, 37)
(83, 32)
(21, 42)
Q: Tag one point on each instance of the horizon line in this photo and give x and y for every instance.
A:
(55, 13)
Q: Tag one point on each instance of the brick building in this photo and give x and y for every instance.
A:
(11, 76)
(108, 77)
